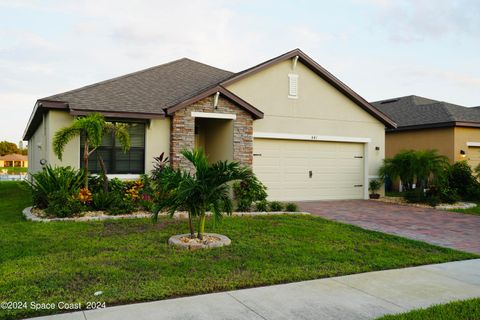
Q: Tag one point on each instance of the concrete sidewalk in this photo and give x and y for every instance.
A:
(361, 296)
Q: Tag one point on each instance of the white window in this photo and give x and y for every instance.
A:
(293, 86)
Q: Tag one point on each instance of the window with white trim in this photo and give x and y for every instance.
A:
(293, 86)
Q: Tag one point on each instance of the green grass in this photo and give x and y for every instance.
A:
(458, 310)
(13, 170)
(130, 261)
(474, 210)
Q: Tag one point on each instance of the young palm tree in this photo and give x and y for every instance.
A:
(205, 190)
(429, 164)
(92, 127)
(401, 166)
(414, 167)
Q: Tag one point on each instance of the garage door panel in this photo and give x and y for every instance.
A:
(284, 166)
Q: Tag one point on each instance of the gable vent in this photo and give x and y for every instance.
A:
(293, 86)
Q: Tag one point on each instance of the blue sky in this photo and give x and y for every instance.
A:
(380, 48)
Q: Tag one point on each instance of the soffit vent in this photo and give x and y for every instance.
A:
(293, 86)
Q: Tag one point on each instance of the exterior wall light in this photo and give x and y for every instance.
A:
(462, 154)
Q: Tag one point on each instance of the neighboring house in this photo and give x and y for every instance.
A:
(13, 160)
(424, 123)
(306, 134)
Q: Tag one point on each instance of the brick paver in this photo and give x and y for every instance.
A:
(448, 229)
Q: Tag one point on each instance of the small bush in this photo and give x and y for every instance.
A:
(462, 180)
(116, 185)
(262, 206)
(54, 179)
(276, 206)
(102, 200)
(121, 205)
(248, 191)
(61, 204)
(443, 194)
(415, 196)
(291, 207)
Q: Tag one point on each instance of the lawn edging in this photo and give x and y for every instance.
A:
(27, 213)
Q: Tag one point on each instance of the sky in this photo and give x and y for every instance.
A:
(380, 48)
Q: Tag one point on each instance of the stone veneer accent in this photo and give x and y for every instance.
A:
(183, 130)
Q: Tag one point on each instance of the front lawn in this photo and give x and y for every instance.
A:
(130, 261)
(458, 310)
(13, 170)
(474, 210)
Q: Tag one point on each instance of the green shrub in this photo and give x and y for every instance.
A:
(102, 200)
(249, 191)
(50, 180)
(415, 196)
(95, 184)
(291, 207)
(443, 193)
(276, 206)
(461, 179)
(261, 206)
(121, 205)
(61, 204)
(117, 185)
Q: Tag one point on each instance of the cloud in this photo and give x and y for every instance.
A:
(419, 20)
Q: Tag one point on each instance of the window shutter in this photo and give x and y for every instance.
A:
(293, 85)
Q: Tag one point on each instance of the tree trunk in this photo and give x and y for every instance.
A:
(104, 174)
(85, 163)
(201, 226)
(190, 226)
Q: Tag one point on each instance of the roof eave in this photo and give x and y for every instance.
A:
(34, 120)
(257, 114)
(324, 74)
(119, 114)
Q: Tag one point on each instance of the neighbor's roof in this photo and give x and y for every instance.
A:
(14, 157)
(161, 90)
(414, 112)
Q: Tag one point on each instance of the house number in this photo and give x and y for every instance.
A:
(314, 137)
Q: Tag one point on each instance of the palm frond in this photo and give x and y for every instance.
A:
(62, 137)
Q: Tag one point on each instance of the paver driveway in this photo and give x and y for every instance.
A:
(448, 229)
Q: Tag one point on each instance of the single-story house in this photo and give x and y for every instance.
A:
(305, 133)
(424, 123)
(13, 160)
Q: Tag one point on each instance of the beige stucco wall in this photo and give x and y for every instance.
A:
(55, 121)
(440, 139)
(462, 136)
(319, 110)
(157, 140)
(36, 148)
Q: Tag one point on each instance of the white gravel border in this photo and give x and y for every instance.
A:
(458, 205)
(27, 213)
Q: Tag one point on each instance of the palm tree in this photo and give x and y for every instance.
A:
(401, 166)
(205, 190)
(414, 167)
(92, 127)
(429, 164)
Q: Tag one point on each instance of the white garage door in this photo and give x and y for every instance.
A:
(309, 170)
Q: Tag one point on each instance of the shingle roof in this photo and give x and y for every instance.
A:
(146, 91)
(14, 157)
(417, 111)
